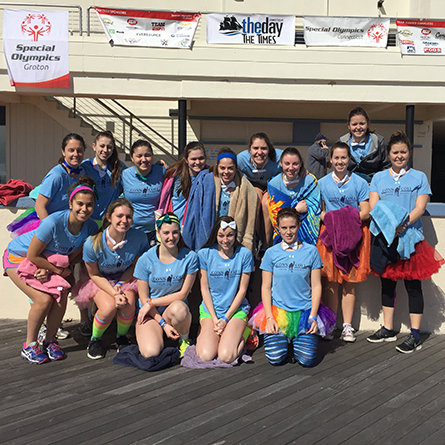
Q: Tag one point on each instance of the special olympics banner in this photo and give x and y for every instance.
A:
(251, 29)
(130, 27)
(346, 31)
(421, 37)
(35, 44)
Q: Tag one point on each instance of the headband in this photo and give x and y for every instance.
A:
(167, 219)
(231, 224)
(226, 155)
(82, 187)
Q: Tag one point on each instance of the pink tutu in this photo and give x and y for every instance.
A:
(88, 289)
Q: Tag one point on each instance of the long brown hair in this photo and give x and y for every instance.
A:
(294, 152)
(214, 168)
(114, 163)
(181, 169)
(70, 137)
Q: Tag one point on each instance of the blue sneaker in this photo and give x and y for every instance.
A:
(34, 354)
(54, 351)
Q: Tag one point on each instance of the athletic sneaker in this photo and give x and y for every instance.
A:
(42, 333)
(348, 333)
(410, 344)
(122, 342)
(95, 349)
(85, 329)
(54, 351)
(34, 354)
(62, 334)
(382, 334)
(183, 345)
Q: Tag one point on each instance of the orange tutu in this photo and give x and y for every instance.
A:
(422, 264)
(356, 274)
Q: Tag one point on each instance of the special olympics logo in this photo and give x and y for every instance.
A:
(35, 26)
(377, 32)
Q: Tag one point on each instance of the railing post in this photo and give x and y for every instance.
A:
(182, 125)
(74, 107)
(409, 127)
(131, 130)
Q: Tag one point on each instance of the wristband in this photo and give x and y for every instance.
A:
(311, 317)
(270, 318)
(162, 323)
(120, 284)
(225, 318)
(149, 302)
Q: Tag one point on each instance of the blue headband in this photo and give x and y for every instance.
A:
(226, 155)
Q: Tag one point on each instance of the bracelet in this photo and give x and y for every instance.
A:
(120, 284)
(225, 318)
(270, 318)
(162, 323)
(311, 317)
(149, 302)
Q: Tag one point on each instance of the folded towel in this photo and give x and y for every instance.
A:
(131, 357)
(191, 360)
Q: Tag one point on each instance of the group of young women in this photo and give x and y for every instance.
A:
(144, 251)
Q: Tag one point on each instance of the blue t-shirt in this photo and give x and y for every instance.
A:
(224, 276)
(224, 204)
(55, 186)
(360, 151)
(53, 231)
(144, 195)
(351, 194)
(113, 263)
(272, 168)
(291, 275)
(106, 190)
(403, 192)
(178, 200)
(164, 279)
(278, 183)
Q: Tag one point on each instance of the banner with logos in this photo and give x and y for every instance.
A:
(251, 29)
(35, 44)
(421, 36)
(131, 27)
(346, 31)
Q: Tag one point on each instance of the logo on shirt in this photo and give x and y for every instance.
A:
(396, 191)
(226, 274)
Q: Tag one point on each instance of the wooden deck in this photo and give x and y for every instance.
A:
(358, 393)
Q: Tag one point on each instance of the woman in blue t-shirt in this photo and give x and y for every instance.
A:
(60, 233)
(225, 268)
(110, 256)
(291, 312)
(401, 192)
(165, 275)
(344, 243)
(142, 187)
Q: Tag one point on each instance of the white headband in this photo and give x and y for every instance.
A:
(231, 224)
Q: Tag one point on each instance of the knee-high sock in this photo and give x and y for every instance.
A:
(99, 327)
(123, 324)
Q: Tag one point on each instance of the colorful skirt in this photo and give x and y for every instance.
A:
(356, 274)
(293, 323)
(423, 263)
(84, 294)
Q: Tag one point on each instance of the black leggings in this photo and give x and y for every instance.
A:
(413, 288)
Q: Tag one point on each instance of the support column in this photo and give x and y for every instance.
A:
(409, 127)
(182, 125)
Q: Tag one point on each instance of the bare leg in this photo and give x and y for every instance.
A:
(232, 341)
(330, 295)
(149, 336)
(415, 320)
(55, 316)
(178, 315)
(348, 301)
(388, 317)
(207, 341)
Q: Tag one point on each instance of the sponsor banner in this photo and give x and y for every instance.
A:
(35, 44)
(346, 31)
(421, 36)
(130, 27)
(251, 29)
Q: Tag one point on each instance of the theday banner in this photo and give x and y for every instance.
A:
(131, 27)
(346, 31)
(421, 37)
(251, 29)
(35, 44)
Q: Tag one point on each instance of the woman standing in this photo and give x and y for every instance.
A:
(368, 149)
(110, 256)
(60, 233)
(225, 272)
(403, 189)
(344, 243)
(142, 187)
(165, 275)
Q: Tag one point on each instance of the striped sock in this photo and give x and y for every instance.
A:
(99, 327)
(123, 324)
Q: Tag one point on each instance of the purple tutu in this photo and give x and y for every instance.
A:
(84, 294)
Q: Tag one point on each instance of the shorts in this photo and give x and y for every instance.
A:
(11, 261)
(239, 313)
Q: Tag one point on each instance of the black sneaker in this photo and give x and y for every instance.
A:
(381, 335)
(410, 344)
(122, 342)
(85, 329)
(95, 349)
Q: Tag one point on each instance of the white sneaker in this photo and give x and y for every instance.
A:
(62, 334)
(348, 333)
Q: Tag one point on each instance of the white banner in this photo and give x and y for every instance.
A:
(35, 44)
(346, 31)
(421, 37)
(131, 27)
(251, 29)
